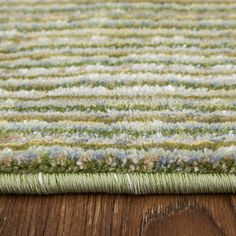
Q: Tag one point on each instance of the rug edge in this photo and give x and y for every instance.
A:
(132, 183)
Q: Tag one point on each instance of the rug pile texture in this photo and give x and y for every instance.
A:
(117, 96)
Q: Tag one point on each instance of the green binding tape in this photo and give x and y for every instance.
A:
(135, 183)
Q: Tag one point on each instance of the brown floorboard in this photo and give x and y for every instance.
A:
(104, 214)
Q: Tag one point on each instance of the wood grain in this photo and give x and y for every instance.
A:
(103, 214)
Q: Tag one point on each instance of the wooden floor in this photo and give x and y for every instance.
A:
(103, 214)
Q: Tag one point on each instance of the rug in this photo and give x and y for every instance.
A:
(117, 96)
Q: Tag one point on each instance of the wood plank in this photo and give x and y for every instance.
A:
(103, 214)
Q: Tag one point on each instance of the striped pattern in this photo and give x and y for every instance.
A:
(130, 86)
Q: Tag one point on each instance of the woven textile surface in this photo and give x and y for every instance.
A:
(117, 96)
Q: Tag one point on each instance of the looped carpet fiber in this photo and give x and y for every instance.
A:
(117, 96)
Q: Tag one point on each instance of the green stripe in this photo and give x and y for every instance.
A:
(165, 145)
(108, 120)
(157, 7)
(114, 53)
(119, 107)
(114, 45)
(124, 70)
(152, 16)
(110, 132)
(48, 65)
(46, 96)
(119, 25)
(114, 84)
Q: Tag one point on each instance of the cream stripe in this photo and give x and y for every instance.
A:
(133, 5)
